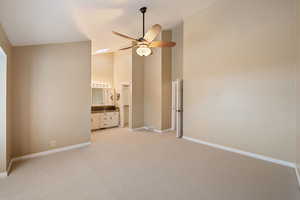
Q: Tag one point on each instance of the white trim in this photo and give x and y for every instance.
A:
(3, 174)
(151, 129)
(6, 173)
(125, 83)
(138, 129)
(44, 153)
(3, 106)
(297, 174)
(249, 154)
(157, 130)
(9, 166)
(166, 130)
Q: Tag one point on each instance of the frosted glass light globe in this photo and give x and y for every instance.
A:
(143, 50)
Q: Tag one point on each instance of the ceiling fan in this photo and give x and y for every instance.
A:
(146, 42)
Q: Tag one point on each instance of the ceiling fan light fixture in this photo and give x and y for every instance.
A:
(143, 50)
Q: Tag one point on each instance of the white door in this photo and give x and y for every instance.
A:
(177, 107)
(174, 105)
(2, 106)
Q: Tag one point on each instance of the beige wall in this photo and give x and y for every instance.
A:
(298, 89)
(102, 68)
(177, 51)
(166, 82)
(239, 61)
(123, 74)
(5, 139)
(153, 90)
(157, 86)
(51, 96)
(122, 68)
(137, 98)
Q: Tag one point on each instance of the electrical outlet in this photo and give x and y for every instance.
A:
(52, 143)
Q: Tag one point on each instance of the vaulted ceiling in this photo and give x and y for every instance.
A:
(30, 22)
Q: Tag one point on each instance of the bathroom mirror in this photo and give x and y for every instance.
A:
(102, 96)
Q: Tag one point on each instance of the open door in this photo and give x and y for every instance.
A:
(3, 72)
(177, 107)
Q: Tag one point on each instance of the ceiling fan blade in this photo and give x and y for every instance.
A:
(162, 44)
(153, 33)
(124, 36)
(127, 47)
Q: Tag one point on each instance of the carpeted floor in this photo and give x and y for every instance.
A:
(125, 165)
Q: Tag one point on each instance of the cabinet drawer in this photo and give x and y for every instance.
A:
(108, 124)
(109, 118)
(110, 113)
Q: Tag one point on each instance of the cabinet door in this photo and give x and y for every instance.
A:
(96, 121)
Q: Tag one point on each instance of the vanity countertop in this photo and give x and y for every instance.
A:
(104, 109)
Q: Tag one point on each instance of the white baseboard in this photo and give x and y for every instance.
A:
(297, 174)
(166, 130)
(157, 130)
(3, 174)
(249, 154)
(138, 129)
(6, 173)
(44, 153)
(9, 166)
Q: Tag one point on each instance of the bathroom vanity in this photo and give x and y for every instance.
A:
(105, 119)
(104, 113)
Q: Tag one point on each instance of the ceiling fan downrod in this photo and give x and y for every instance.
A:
(143, 11)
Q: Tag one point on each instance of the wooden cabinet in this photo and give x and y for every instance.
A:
(105, 120)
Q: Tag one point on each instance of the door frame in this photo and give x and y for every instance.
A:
(121, 105)
(3, 106)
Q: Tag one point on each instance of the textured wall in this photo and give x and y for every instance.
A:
(239, 75)
(166, 82)
(102, 68)
(298, 90)
(137, 98)
(177, 51)
(153, 90)
(51, 96)
(122, 68)
(158, 86)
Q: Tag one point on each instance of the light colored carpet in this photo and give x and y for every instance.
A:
(125, 165)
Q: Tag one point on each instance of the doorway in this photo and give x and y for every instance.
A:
(3, 77)
(125, 109)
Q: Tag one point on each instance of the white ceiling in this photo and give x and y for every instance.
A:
(29, 22)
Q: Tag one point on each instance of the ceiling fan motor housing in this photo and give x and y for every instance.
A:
(143, 9)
